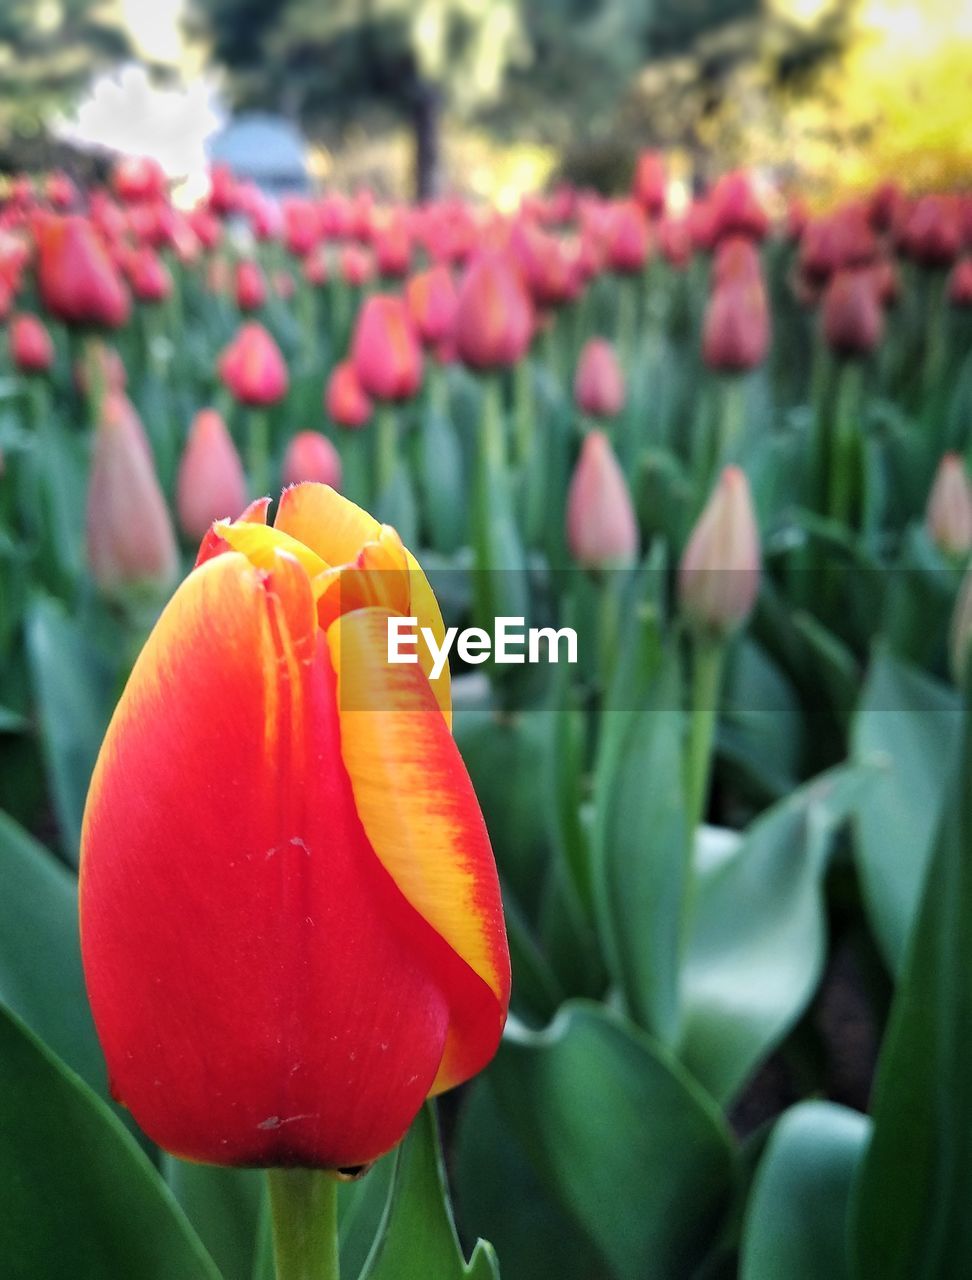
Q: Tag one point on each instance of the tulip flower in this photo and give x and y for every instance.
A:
(251, 287)
(385, 351)
(736, 329)
(311, 456)
(356, 265)
(253, 368)
(948, 518)
(138, 178)
(626, 246)
(960, 284)
(599, 382)
(602, 531)
(393, 248)
(853, 322)
(718, 577)
(735, 208)
(31, 348)
(933, 233)
(346, 403)
(129, 533)
(210, 483)
(77, 280)
(149, 276)
(649, 183)
(494, 316)
(431, 300)
(291, 924)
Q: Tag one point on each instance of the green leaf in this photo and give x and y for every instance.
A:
(796, 1222)
(441, 484)
(224, 1206)
(361, 1208)
(40, 956)
(906, 729)
(74, 695)
(498, 1195)
(80, 1199)
(621, 1135)
(756, 939)
(417, 1237)
(638, 853)
(912, 1217)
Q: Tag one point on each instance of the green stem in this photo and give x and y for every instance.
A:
(708, 660)
(523, 410)
(732, 406)
(304, 1212)
(845, 443)
(258, 452)
(386, 444)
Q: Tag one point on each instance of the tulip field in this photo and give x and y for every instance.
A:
(485, 777)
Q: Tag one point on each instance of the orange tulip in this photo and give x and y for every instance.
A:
(77, 279)
(291, 924)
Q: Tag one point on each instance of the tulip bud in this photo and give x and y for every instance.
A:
(211, 484)
(356, 265)
(494, 315)
(736, 331)
(853, 323)
(311, 456)
(138, 178)
(599, 382)
(718, 578)
(253, 368)
(251, 288)
(345, 401)
(149, 276)
(77, 280)
(393, 248)
(948, 518)
(301, 226)
(31, 348)
(735, 208)
(626, 247)
(933, 232)
(649, 183)
(602, 531)
(431, 300)
(129, 533)
(960, 284)
(385, 351)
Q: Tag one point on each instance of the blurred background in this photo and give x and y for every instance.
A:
(492, 98)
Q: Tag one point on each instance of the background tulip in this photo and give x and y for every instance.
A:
(494, 317)
(253, 368)
(211, 484)
(949, 514)
(853, 323)
(602, 531)
(384, 350)
(130, 537)
(344, 398)
(78, 281)
(291, 924)
(736, 331)
(31, 348)
(311, 456)
(718, 576)
(599, 382)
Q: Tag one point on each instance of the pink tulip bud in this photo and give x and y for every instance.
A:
(960, 284)
(718, 578)
(31, 348)
(211, 484)
(129, 533)
(853, 322)
(736, 330)
(602, 530)
(251, 287)
(253, 368)
(345, 401)
(948, 517)
(494, 315)
(599, 383)
(385, 350)
(311, 456)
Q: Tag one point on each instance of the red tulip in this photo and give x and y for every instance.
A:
(31, 348)
(149, 276)
(138, 178)
(494, 316)
(130, 538)
(599, 382)
(251, 287)
(736, 258)
(602, 531)
(385, 351)
(675, 242)
(77, 279)
(933, 232)
(301, 226)
(211, 484)
(345, 401)
(393, 248)
(356, 265)
(736, 331)
(253, 368)
(431, 300)
(60, 191)
(853, 323)
(718, 577)
(649, 183)
(311, 456)
(626, 246)
(548, 270)
(736, 209)
(291, 920)
(960, 283)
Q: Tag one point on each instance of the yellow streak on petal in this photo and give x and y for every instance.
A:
(260, 545)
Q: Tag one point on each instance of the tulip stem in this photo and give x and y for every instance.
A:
(386, 443)
(708, 653)
(304, 1212)
(258, 449)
